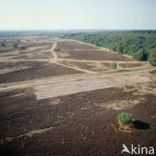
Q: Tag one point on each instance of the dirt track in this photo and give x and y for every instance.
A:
(55, 60)
(47, 88)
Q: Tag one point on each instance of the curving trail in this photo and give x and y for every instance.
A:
(53, 52)
(55, 60)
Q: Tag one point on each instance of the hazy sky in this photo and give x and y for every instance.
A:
(77, 14)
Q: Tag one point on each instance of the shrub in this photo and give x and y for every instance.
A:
(152, 58)
(56, 49)
(2, 44)
(22, 48)
(124, 118)
(153, 72)
(4, 41)
(15, 45)
(113, 65)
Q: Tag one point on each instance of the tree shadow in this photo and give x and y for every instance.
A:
(141, 125)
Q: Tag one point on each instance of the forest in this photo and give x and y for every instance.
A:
(141, 45)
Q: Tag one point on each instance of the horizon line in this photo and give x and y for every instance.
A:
(94, 29)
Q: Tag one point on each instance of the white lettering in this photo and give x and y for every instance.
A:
(138, 150)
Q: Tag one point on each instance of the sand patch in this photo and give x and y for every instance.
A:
(72, 86)
(55, 102)
(63, 54)
(121, 104)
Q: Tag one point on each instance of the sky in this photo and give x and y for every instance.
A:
(77, 14)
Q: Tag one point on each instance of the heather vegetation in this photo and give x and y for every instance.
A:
(2, 44)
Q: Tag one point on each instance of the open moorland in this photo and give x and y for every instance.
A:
(61, 97)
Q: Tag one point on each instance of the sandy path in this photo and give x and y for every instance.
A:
(55, 60)
(95, 61)
(70, 79)
(53, 52)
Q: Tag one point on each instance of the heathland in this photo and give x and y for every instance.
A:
(60, 96)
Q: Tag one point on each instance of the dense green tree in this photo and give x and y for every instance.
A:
(4, 41)
(152, 57)
(119, 49)
(140, 55)
(2, 44)
(57, 49)
(23, 48)
(114, 65)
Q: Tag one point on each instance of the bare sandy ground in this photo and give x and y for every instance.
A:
(62, 88)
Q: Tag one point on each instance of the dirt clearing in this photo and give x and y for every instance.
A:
(83, 85)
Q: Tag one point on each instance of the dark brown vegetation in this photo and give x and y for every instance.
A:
(87, 52)
(106, 64)
(72, 45)
(36, 70)
(18, 64)
(96, 55)
(80, 126)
